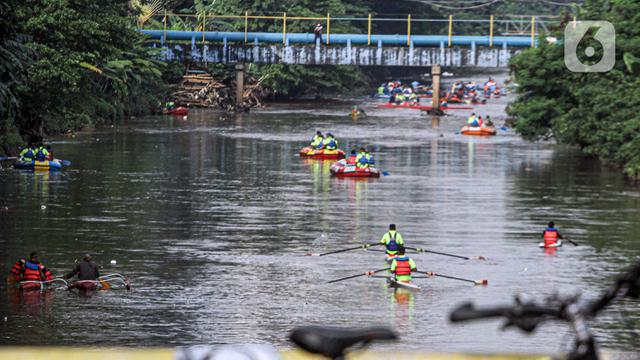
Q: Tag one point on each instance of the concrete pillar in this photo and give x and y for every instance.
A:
(435, 77)
(239, 83)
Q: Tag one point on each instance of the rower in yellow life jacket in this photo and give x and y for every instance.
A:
(330, 143)
(317, 140)
(362, 160)
(551, 235)
(392, 240)
(402, 266)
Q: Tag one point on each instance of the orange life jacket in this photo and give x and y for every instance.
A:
(402, 266)
(31, 272)
(550, 236)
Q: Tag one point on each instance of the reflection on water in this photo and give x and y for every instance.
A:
(211, 218)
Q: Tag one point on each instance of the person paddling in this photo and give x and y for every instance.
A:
(392, 240)
(551, 235)
(33, 270)
(85, 269)
(402, 266)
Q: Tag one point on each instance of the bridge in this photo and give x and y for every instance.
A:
(365, 49)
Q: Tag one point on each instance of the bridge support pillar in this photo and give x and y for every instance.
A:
(239, 83)
(435, 100)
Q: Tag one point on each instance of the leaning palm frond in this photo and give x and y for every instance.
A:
(148, 10)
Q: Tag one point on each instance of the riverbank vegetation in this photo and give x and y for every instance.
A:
(69, 64)
(597, 111)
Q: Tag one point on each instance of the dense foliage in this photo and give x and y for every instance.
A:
(80, 62)
(595, 111)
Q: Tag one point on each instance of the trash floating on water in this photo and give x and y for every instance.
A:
(42, 207)
(113, 262)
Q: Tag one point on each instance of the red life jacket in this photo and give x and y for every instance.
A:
(550, 236)
(16, 269)
(31, 272)
(402, 266)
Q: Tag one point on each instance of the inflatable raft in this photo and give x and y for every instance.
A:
(342, 169)
(322, 153)
(51, 165)
(477, 130)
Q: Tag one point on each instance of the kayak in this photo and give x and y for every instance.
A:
(557, 244)
(51, 165)
(402, 285)
(322, 153)
(477, 130)
(342, 169)
(179, 111)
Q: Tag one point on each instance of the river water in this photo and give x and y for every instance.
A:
(211, 218)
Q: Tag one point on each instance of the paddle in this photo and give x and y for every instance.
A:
(363, 246)
(65, 162)
(475, 282)
(3, 158)
(571, 241)
(369, 273)
(445, 254)
(385, 173)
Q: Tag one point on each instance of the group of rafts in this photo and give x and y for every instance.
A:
(358, 164)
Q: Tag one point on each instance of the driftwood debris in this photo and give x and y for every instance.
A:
(202, 90)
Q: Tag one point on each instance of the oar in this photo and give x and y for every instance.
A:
(363, 246)
(369, 273)
(3, 158)
(385, 173)
(65, 162)
(571, 241)
(445, 254)
(475, 282)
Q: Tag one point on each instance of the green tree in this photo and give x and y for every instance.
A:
(596, 111)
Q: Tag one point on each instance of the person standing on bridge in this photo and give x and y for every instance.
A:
(317, 31)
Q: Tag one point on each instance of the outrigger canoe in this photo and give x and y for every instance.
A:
(50, 165)
(105, 282)
(556, 245)
(30, 285)
(322, 153)
(342, 169)
(478, 131)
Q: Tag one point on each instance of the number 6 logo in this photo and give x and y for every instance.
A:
(601, 31)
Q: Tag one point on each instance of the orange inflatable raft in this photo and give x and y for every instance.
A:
(322, 153)
(477, 130)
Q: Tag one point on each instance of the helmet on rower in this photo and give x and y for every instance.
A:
(392, 226)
